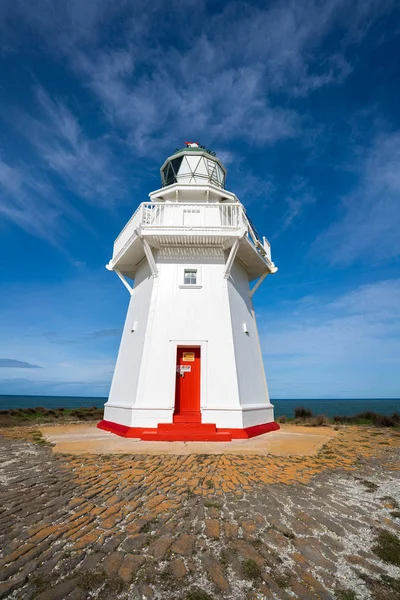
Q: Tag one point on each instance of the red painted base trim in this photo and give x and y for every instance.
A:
(249, 432)
(187, 432)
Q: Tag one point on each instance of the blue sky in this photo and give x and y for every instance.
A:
(300, 99)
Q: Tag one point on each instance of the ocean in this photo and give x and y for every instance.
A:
(329, 408)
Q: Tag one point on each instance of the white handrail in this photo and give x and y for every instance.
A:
(189, 216)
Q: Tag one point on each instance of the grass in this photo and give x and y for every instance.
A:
(37, 438)
(93, 580)
(90, 580)
(369, 485)
(251, 570)
(282, 580)
(304, 416)
(370, 418)
(383, 587)
(149, 526)
(387, 547)
(40, 581)
(391, 583)
(389, 500)
(31, 416)
(166, 578)
(197, 594)
(212, 505)
(223, 558)
(345, 594)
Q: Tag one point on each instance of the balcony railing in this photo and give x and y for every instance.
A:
(151, 216)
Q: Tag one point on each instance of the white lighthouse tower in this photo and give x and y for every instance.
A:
(189, 365)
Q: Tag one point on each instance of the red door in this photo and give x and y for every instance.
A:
(187, 390)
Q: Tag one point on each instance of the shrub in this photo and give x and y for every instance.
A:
(319, 421)
(339, 419)
(281, 419)
(370, 418)
(6, 420)
(385, 421)
(302, 413)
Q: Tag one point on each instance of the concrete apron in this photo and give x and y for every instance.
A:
(290, 440)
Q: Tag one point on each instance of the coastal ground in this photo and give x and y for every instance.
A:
(284, 516)
(87, 438)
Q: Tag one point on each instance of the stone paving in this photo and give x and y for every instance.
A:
(199, 527)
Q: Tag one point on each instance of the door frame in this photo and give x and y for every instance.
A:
(173, 349)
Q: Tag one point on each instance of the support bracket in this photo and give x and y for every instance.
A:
(231, 258)
(124, 281)
(150, 257)
(259, 282)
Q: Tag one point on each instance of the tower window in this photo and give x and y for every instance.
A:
(190, 277)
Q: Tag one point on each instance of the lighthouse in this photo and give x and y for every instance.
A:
(189, 365)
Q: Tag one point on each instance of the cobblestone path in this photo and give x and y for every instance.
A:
(200, 527)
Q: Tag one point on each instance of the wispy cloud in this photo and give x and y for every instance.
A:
(50, 387)
(368, 228)
(348, 336)
(12, 363)
(76, 345)
(24, 189)
(34, 197)
(86, 166)
(103, 333)
(223, 85)
(56, 338)
(300, 197)
(233, 79)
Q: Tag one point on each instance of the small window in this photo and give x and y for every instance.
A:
(190, 277)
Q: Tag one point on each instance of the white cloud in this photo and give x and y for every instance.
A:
(344, 347)
(368, 228)
(78, 348)
(222, 85)
(300, 197)
(87, 167)
(233, 78)
(22, 191)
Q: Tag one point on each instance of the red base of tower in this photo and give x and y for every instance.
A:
(187, 432)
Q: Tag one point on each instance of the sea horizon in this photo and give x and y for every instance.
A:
(283, 406)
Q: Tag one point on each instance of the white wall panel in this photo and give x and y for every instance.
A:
(125, 380)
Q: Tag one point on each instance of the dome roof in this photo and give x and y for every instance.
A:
(193, 165)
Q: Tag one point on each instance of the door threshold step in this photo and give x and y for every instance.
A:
(187, 418)
(187, 427)
(180, 436)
